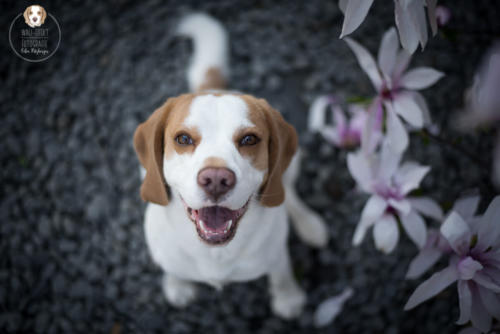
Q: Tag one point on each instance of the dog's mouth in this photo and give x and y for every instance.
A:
(216, 225)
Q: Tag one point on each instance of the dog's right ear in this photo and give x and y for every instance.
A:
(149, 146)
(25, 14)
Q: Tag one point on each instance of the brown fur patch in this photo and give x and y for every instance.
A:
(214, 79)
(174, 128)
(149, 144)
(214, 162)
(257, 153)
(277, 147)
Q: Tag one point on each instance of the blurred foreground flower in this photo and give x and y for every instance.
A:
(409, 16)
(396, 88)
(328, 310)
(475, 264)
(345, 132)
(389, 183)
(482, 103)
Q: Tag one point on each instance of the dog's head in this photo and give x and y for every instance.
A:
(35, 15)
(215, 153)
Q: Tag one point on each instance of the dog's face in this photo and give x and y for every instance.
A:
(35, 15)
(215, 154)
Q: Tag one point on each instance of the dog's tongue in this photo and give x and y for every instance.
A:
(215, 217)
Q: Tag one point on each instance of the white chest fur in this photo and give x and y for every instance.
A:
(176, 247)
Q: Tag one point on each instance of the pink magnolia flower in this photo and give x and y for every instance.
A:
(345, 132)
(409, 16)
(474, 265)
(482, 105)
(437, 245)
(389, 183)
(396, 87)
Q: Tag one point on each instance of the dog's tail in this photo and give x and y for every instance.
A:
(209, 65)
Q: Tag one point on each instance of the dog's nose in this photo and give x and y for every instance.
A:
(34, 19)
(216, 181)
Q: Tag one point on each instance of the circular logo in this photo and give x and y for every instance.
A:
(34, 35)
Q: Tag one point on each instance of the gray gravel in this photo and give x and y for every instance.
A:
(74, 259)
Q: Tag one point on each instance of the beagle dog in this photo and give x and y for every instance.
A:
(219, 173)
(35, 16)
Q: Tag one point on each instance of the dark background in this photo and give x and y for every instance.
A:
(72, 253)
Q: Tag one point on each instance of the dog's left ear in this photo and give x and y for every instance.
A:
(283, 143)
(44, 15)
(25, 14)
(149, 146)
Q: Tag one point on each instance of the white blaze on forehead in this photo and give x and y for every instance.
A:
(217, 119)
(218, 116)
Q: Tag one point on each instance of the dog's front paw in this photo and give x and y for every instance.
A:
(289, 305)
(179, 293)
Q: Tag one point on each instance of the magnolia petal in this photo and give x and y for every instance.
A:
(427, 206)
(354, 14)
(457, 232)
(468, 267)
(491, 302)
(466, 206)
(372, 211)
(317, 113)
(360, 232)
(422, 262)
(465, 302)
(366, 62)
(415, 227)
(388, 52)
(343, 5)
(492, 259)
(402, 61)
(360, 169)
(410, 175)
(328, 310)
(396, 132)
(359, 119)
(431, 14)
(417, 13)
(431, 287)
(371, 134)
(479, 316)
(420, 101)
(420, 78)
(489, 227)
(331, 135)
(482, 279)
(402, 206)
(386, 234)
(339, 117)
(408, 108)
(405, 3)
(407, 33)
(389, 163)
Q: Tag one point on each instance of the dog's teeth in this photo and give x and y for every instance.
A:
(202, 225)
(228, 226)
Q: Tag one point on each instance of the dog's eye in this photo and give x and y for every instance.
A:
(249, 140)
(184, 139)
(38, 13)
